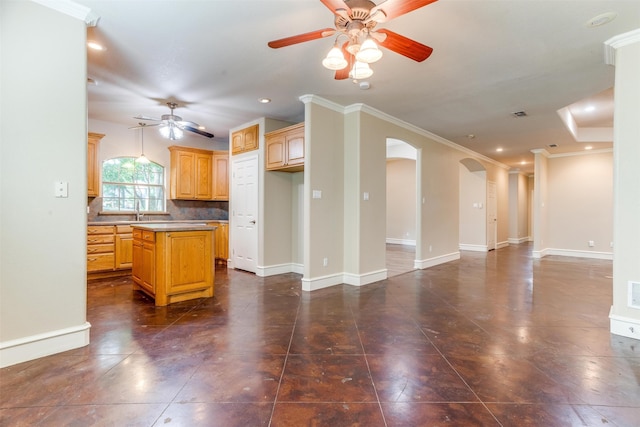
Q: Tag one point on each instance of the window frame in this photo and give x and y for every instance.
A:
(138, 190)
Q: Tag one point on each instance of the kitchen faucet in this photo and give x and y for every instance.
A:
(139, 214)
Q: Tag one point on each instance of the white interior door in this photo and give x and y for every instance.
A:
(492, 219)
(244, 195)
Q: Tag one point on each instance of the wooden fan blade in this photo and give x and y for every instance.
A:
(405, 46)
(300, 38)
(198, 131)
(334, 5)
(394, 8)
(344, 73)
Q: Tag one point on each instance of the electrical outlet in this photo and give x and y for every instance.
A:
(591, 243)
(325, 262)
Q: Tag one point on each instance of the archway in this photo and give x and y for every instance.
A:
(401, 210)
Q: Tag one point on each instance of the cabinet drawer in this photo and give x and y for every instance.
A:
(148, 236)
(96, 239)
(97, 262)
(123, 229)
(100, 229)
(99, 249)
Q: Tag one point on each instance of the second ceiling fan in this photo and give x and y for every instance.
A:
(172, 126)
(356, 19)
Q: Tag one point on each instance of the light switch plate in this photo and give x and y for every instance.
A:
(317, 194)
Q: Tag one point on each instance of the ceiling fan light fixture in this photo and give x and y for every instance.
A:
(369, 52)
(335, 59)
(171, 131)
(360, 70)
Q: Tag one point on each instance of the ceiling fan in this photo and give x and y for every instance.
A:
(172, 126)
(357, 19)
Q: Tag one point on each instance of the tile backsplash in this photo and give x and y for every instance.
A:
(177, 210)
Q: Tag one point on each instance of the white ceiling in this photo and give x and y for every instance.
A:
(491, 58)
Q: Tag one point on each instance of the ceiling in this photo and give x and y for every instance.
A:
(490, 59)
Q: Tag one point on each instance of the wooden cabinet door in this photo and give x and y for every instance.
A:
(237, 142)
(148, 267)
(188, 261)
(203, 181)
(124, 251)
(220, 175)
(276, 151)
(183, 175)
(251, 138)
(295, 148)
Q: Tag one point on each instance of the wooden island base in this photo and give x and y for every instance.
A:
(173, 262)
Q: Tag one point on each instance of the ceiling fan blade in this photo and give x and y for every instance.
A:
(334, 5)
(198, 131)
(141, 117)
(405, 46)
(144, 125)
(300, 38)
(394, 8)
(344, 73)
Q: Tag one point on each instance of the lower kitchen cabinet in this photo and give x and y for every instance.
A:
(172, 264)
(221, 238)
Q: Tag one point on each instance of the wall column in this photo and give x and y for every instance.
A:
(623, 51)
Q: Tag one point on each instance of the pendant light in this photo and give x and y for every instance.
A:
(142, 159)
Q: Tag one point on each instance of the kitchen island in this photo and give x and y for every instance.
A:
(173, 262)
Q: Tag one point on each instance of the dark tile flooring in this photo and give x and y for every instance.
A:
(495, 339)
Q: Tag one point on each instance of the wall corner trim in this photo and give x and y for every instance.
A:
(72, 9)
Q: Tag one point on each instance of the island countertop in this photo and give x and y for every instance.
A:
(160, 221)
(176, 226)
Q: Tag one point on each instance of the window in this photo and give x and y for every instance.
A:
(128, 185)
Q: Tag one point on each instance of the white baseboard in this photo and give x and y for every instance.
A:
(573, 253)
(322, 282)
(272, 270)
(624, 326)
(517, 240)
(474, 248)
(431, 262)
(40, 345)
(501, 245)
(365, 279)
(401, 242)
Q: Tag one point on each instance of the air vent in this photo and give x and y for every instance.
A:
(552, 145)
(519, 114)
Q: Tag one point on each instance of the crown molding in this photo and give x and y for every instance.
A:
(616, 42)
(72, 9)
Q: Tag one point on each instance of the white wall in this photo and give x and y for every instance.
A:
(401, 201)
(44, 139)
(580, 204)
(473, 210)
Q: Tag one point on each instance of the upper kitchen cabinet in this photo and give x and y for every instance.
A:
(197, 174)
(221, 175)
(285, 149)
(244, 140)
(93, 169)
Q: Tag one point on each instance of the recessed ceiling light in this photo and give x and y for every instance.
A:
(499, 149)
(523, 162)
(471, 136)
(589, 108)
(92, 44)
(588, 147)
(264, 100)
(601, 19)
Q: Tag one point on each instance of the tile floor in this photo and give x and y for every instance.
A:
(495, 339)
